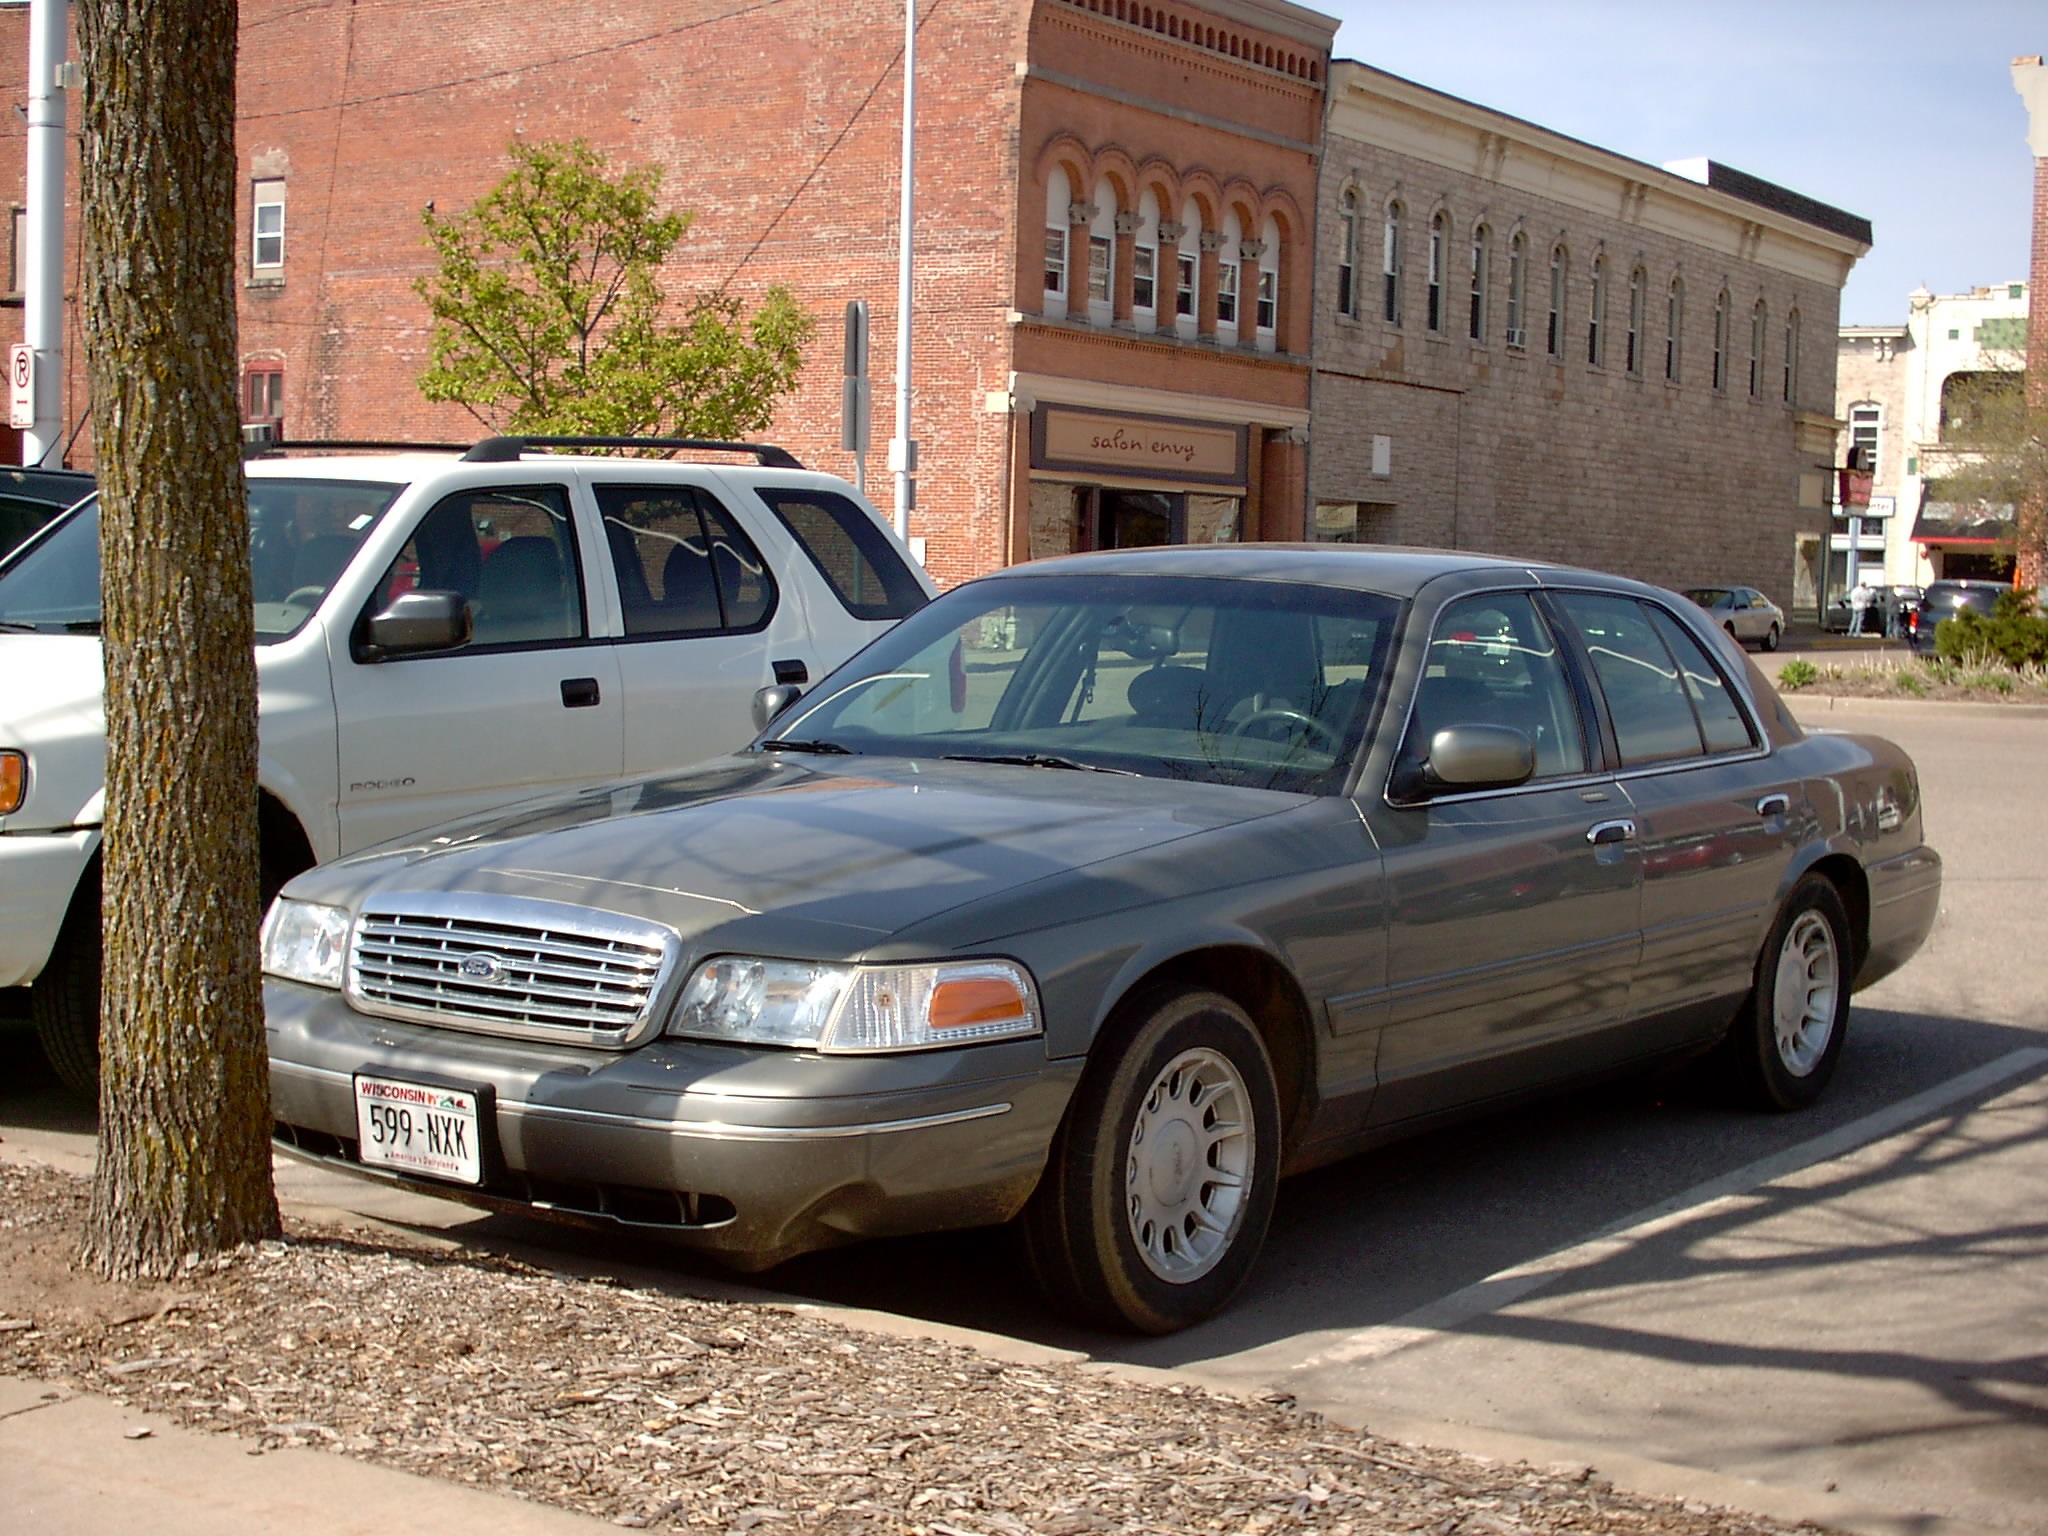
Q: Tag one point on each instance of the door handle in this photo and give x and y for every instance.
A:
(1610, 832)
(791, 672)
(579, 692)
(1774, 805)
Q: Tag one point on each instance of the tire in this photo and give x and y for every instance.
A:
(1787, 1037)
(1771, 638)
(1126, 1229)
(65, 1000)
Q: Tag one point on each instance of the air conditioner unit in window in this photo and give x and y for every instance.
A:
(1518, 336)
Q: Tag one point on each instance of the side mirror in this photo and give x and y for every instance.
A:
(1478, 757)
(416, 622)
(772, 701)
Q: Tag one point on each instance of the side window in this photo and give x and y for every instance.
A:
(684, 566)
(1646, 691)
(1493, 661)
(853, 555)
(511, 552)
(1721, 718)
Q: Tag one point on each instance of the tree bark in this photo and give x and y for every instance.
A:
(184, 1151)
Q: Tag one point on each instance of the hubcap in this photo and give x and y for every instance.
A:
(1189, 1164)
(1803, 1001)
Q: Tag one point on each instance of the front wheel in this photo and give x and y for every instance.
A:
(65, 1001)
(1787, 1038)
(1771, 638)
(1160, 1184)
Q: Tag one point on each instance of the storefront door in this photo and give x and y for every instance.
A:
(1129, 519)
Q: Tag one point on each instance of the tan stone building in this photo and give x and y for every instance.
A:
(1531, 345)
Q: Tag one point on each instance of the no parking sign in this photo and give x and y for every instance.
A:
(21, 385)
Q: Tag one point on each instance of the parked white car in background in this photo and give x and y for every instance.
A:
(437, 632)
(1744, 612)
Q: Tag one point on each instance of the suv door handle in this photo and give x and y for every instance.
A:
(579, 692)
(787, 672)
(1610, 832)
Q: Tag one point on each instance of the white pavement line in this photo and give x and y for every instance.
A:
(1511, 1285)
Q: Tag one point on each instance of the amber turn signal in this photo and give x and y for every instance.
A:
(975, 1000)
(13, 781)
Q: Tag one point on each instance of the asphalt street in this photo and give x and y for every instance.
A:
(1847, 1302)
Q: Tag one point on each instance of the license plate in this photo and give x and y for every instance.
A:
(419, 1128)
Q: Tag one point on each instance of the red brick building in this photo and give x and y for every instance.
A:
(1115, 204)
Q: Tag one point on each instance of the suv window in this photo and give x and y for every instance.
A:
(683, 565)
(510, 551)
(1493, 661)
(857, 561)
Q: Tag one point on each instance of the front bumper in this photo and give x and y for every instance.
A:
(38, 876)
(1905, 899)
(753, 1155)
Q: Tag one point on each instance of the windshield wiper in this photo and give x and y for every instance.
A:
(827, 748)
(1037, 760)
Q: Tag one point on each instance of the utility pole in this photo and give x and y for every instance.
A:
(49, 26)
(903, 447)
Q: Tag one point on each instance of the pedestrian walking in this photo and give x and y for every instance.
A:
(1859, 606)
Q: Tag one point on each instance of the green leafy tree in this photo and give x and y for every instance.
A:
(1994, 452)
(549, 316)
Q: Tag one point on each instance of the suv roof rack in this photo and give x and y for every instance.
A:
(262, 449)
(497, 450)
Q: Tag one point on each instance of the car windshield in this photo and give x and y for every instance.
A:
(302, 534)
(1255, 683)
(1709, 597)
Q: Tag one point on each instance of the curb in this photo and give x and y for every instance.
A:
(1799, 701)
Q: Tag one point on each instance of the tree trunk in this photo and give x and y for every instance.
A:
(184, 1151)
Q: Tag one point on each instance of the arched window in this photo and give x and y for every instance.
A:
(1439, 237)
(1187, 272)
(1553, 336)
(1390, 266)
(1792, 357)
(1145, 263)
(1347, 252)
(1518, 279)
(1059, 198)
(1102, 256)
(1674, 322)
(1721, 340)
(1266, 316)
(1759, 320)
(1476, 326)
(1227, 259)
(1596, 318)
(1638, 296)
(1866, 432)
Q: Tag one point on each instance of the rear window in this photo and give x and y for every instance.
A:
(867, 575)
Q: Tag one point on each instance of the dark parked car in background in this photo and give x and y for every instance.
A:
(1944, 600)
(30, 498)
(1098, 894)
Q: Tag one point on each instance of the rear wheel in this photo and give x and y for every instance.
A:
(1160, 1184)
(1788, 1037)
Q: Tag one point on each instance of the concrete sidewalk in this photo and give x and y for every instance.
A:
(77, 1465)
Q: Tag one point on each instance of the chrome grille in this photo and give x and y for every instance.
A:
(533, 970)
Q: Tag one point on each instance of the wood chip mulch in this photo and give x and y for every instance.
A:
(659, 1412)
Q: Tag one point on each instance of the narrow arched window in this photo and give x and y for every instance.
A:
(1145, 263)
(1759, 320)
(1518, 278)
(1596, 317)
(1553, 339)
(1266, 313)
(1638, 296)
(1439, 236)
(1674, 321)
(1390, 267)
(1477, 324)
(1228, 258)
(1792, 357)
(1059, 199)
(1721, 340)
(1347, 253)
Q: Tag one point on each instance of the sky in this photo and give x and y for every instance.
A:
(1902, 111)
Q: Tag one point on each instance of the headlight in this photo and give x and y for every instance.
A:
(851, 1009)
(305, 942)
(13, 781)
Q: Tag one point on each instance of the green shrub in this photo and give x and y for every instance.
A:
(2016, 632)
(1795, 675)
(1910, 682)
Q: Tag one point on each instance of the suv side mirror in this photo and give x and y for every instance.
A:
(416, 622)
(772, 701)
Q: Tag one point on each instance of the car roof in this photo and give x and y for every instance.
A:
(59, 487)
(410, 465)
(1394, 570)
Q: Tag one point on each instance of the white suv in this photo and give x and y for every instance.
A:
(437, 631)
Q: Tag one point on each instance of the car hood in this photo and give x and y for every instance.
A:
(820, 860)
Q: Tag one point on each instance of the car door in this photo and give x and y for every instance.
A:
(531, 703)
(1512, 913)
(1716, 821)
(705, 620)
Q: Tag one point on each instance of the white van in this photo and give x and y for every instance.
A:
(437, 632)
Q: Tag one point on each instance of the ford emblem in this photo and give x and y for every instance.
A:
(483, 967)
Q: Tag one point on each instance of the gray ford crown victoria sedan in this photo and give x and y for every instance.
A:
(1099, 894)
